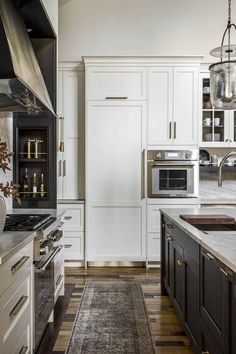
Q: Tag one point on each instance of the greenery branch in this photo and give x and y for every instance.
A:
(9, 188)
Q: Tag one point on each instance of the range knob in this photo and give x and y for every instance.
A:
(187, 155)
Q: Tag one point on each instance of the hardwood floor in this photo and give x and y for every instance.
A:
(167, 332)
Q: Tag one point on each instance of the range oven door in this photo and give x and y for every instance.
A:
(167, 179)
(44, 293)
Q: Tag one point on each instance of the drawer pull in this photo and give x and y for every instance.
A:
(180, 263)
(205, 352)
(226, 272)
(116, 98)
(59, 279)
(16, 309)
(24, 350)
(169, 238)
(208, 256)
(19, 264)
(60, 225)
(67, 246)
(67, 217)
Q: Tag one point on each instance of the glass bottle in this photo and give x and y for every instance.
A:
(26, 184)
(42, 187)
(34, 189)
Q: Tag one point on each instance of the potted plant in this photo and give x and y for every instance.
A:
(8, 189)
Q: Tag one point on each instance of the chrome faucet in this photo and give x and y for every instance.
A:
(221, 166)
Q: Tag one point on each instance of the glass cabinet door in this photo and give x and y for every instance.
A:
(213, 121)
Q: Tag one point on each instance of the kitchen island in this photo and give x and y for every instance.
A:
(199, 275)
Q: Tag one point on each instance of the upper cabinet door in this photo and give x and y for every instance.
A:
(160, 106)
(73, 103)
(116, 83)
(185, 105)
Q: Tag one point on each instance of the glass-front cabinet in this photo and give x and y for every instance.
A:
(218, 127)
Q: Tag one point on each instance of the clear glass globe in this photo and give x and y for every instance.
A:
(223, 85)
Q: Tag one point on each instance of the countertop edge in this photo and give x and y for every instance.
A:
(192, 233)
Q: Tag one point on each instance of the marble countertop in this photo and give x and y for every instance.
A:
(222, 246)
(12, 241)
(54, 212)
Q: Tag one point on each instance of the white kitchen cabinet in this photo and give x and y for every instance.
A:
(173, 105)
(115, 208)
(70, 163)
(116, 82)
(217, 127)
(74, 233)
(16, 302)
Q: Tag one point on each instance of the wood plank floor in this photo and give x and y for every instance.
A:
(167, 332)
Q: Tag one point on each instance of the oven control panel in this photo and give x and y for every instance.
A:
(172, 155)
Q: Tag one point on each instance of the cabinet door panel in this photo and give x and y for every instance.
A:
(213, 303)
(179, 266)
(117, 82)
(153, 246)
(116, 135)
(116, 234)
(185, 109)
(160, 106)
(73, 104)
(72, 169)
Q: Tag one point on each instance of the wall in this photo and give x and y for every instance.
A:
(140, 27)
(6, 135)
(52, 9)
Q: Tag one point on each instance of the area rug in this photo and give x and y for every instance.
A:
(112, 319)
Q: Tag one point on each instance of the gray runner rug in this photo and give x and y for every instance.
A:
(111, 319)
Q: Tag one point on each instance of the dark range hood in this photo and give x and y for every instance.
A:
(22, 87)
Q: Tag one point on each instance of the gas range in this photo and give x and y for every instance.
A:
(27, 222)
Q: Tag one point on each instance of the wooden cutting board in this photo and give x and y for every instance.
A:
(208, 219)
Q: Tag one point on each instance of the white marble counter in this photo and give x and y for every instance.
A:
(12, 241)
(222, 246)
(54, 212)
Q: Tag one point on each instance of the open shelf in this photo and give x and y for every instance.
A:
(32, 160)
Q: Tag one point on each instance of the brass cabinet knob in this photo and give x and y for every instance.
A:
(180, 263)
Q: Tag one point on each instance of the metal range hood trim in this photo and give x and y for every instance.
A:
(22, 82)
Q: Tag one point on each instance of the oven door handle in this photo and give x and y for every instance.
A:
(44, 266)
(182, 164)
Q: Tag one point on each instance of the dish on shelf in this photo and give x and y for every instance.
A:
(206, 163)
(208, 137)
(217, 137)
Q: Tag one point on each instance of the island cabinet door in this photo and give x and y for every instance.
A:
(179, 271)
(215, 299)
(191, 315)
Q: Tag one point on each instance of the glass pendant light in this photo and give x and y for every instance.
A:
(223, 73)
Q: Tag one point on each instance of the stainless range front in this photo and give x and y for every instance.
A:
(172, 173)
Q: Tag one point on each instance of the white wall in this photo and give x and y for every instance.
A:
(141, 27)
(52, 9)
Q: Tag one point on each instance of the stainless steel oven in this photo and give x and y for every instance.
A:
(172, 173)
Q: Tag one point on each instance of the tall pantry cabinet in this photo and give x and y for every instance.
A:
(115, 147)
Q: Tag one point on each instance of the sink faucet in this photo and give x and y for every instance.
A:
(221, 166)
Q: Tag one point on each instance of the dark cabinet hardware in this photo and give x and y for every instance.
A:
(116, 98)
(67, 246)
(67, 217)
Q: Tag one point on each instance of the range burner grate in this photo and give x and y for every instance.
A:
(25, 222)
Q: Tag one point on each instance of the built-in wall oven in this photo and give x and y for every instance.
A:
(172, 173)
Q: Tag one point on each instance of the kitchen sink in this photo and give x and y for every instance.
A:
(217, 228)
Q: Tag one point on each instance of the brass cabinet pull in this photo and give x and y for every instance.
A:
(19, 264)
(226, 272)
(116, 98)
(67, 246)
(59, 279)
(170, 126)
(208, 256)
(169, 238)
(174, 130)
(16, 309)
(180, 263)
(23, 350)
(205, 352)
